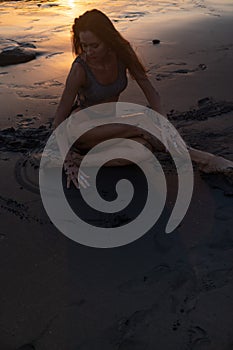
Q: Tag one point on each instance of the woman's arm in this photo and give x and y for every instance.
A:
(76, 78)
(154, 101)
(150, 92)
(74, 81)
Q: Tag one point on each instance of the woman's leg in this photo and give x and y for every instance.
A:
(110, 152)
(206, 162)
(209, 163)
(105, 132)
(98, 134)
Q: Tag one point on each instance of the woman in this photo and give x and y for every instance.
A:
(98, 75)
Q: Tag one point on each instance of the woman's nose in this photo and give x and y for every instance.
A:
(89, 51)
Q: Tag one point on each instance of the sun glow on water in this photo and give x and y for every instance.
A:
(41, 21)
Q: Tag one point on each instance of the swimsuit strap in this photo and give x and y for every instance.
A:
(94, 92)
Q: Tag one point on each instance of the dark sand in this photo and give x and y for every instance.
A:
(160, 292)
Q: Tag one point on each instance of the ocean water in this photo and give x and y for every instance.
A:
(38, 22)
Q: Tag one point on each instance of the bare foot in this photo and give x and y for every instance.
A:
(216, 164)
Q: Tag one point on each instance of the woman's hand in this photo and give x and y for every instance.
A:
(78, 177)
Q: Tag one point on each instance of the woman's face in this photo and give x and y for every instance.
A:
(94, 48)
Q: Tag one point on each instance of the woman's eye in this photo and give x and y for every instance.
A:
(94, 46)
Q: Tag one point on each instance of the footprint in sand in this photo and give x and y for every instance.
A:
(197, 337)
(132, 332)
(176, 325)
(149, 278)
(216, 279)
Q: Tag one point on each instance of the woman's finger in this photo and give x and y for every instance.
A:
(82, 178)
(68, 182)
(75, 182)
(81, 182)
(83, 174)
(75, 175)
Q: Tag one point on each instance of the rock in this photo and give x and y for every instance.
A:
(182, 71)
(203, 101)
(156, 41)
(202, 66)
(29, 45)
(16, 55)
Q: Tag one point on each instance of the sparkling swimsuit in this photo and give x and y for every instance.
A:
(94, 92)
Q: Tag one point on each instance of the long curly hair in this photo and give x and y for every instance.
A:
(100, 25)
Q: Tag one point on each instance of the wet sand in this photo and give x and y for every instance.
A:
(165, 291)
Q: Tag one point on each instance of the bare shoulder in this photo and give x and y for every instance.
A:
(77, 73)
